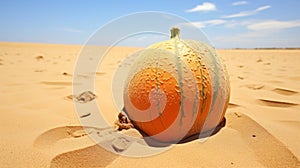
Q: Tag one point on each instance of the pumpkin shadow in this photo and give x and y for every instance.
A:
(205, 134)
(155, 143)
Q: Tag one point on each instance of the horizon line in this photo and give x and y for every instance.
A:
(226, 48)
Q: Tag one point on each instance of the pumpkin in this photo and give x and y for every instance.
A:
(176, 88)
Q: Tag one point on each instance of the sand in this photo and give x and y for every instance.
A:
(40, 127)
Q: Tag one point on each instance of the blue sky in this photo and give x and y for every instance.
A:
(227, 23)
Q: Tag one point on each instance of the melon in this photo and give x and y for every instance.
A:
(176, 88)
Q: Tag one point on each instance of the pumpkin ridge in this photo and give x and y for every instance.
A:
(216, 79)
(202, 91)
(158, 103)
(178, 64)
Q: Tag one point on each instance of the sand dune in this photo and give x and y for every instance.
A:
(40, 127)
(259, 147)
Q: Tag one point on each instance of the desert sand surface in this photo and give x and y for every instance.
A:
(40, 126)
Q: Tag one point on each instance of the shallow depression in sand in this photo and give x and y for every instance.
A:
(57, 83)
(276, 103)
(233, 105)
(285, 91)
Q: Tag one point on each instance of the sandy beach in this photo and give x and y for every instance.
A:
(40, 127)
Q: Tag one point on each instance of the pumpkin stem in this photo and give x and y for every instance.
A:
(175, 32)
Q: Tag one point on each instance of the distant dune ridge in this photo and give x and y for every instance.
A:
(40, 127)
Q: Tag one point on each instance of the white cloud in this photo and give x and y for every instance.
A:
(263, 33)
(252, 34)
(239, 3)
(250, 39)
(256, 39)
(205, 6)
(274, 25)
(258, 25)
(72, 30)
(203, 24)
(247, 13)
(234, 23)
(262, 8)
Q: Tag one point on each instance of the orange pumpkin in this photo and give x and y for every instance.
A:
(176, 88)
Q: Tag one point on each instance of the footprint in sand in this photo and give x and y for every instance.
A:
(270, 151)
(93, 156)
(120, 144)
(240, 77)
(255, 86)
(286, 92)
(50, 137)
(39, 58)
(84, 97)
(259, 60)
(276, 103)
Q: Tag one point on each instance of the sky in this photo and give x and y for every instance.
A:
(226, 23)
